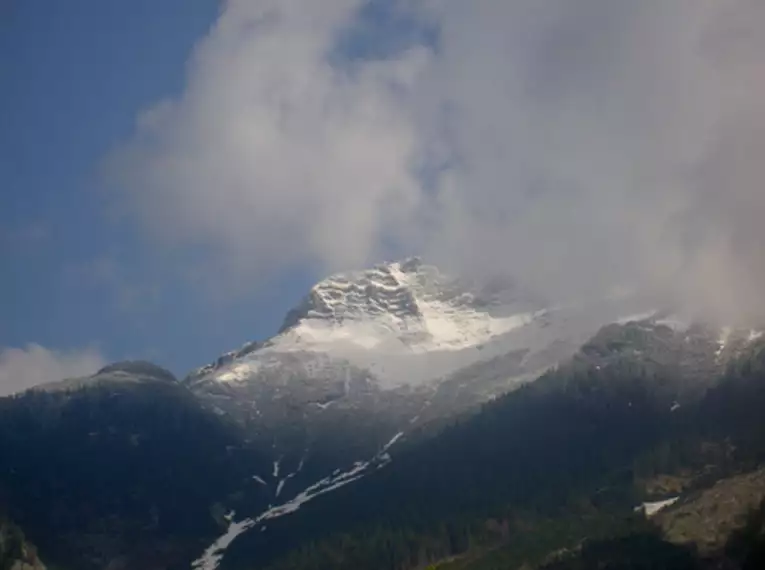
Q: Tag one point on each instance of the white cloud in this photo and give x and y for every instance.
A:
(273, 156)
(602, 142)
(578, 144)
(22, 368)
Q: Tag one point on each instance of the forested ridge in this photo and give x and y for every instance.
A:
(561, 460)
(127, 471)
(140, 474)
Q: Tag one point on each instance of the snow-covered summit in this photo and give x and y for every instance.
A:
(404, 322)
(408, 323)
(383, 290)
(365, 357)
(404, 305)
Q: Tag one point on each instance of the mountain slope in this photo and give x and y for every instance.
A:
(123, 468)
(396, 352)
(581, 443)
(365, 356)
(368, 354)
(399, 417)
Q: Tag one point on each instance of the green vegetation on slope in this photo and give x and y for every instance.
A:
(124, 471)
(580, 442)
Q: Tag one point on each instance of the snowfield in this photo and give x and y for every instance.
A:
(405, 322)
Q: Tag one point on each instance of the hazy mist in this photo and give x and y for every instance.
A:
(582, 146)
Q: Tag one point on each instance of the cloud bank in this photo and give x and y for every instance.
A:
(578, 145)
(22, 368)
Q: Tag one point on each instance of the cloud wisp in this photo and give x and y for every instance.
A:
(23, 368)
(273, 156)
(580, 146)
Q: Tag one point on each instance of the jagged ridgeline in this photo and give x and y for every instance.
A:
(399, 419)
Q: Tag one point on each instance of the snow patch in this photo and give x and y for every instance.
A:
(276, 468)
(213, 555)
(722, 341)
(239, 372)
(280, 486)
(392, 442)
(438, 328)
(650, 509)
(210, 559)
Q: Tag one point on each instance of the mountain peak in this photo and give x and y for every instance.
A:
(385, 319)
(404, 305)
(385, 289)
(138, 368)
(124, 372)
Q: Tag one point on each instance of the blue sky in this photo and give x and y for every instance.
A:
(175, 175)
(75, 75)
(81, 279)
